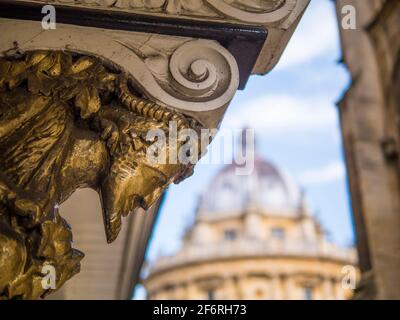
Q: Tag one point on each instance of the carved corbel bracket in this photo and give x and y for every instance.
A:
(190, 75)
(77, 102)
(69, 120)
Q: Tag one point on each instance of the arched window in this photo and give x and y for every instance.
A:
(210, 294)
(230, 234)
(278, 233)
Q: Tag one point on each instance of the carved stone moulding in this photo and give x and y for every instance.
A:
(241, 11)
(279, 17)
(192, 75)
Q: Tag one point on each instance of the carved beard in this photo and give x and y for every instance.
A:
(130, 185)
(116, 202)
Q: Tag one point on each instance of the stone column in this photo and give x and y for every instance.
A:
(276, 288)
(370, 133)
(328, 289)
(339, 292)
(288, 288)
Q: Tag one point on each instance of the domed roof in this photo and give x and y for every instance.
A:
(267, 188)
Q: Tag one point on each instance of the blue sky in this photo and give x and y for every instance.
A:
(293, 112)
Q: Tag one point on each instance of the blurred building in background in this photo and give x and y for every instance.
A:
(253, 238)
(110, 271)
(370, 118)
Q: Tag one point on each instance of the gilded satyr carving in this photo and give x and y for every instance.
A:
(69, 121)
(77, 104)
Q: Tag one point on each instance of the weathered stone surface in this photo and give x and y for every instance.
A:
(370, 123)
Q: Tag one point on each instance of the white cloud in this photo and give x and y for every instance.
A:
(316, 34)
(283, 114)
(329, 173)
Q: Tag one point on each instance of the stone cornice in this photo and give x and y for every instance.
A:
(262, 12)
(279, 17)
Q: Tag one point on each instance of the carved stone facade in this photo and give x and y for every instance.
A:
(370, 124)
(77, 101)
